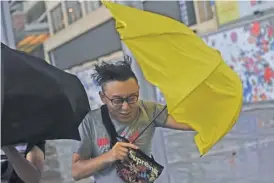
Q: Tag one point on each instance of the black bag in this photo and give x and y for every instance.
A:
(138, 166)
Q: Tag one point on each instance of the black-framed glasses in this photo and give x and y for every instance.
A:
(118, 102)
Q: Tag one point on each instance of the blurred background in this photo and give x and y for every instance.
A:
(73, 35)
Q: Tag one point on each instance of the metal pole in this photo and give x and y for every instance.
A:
(7, 36)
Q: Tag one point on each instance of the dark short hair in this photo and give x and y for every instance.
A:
(117, 71)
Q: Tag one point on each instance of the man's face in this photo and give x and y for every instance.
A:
(121, 98)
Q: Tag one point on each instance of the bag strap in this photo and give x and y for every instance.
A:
(109, 125)
(111, 129)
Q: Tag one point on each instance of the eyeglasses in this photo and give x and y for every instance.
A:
(118, 102)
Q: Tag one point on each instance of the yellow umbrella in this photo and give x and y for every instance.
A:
(199, 88)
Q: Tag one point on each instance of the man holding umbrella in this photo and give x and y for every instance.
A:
(170, 56)
(130, 116)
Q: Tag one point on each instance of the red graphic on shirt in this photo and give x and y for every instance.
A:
(133, 136)
(102, 141)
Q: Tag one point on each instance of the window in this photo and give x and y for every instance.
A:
(205, 11)
(90, 6)
(74, 11)
(57, 18)
(135, 4)
(36, 11)
(16, 6)
(188, 14)
(44, 20)
(187, 9)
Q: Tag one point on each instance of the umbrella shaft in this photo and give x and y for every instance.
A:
(150, 123)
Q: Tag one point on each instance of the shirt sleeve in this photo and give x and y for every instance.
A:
(84, 147)
(153, 109)
(162, 118)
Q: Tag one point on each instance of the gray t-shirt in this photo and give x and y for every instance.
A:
(96, 141)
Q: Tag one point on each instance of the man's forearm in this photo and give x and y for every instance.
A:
(173, 124)
(24, 169)
(86, 168)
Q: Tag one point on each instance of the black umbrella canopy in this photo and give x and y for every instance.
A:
(40, 102)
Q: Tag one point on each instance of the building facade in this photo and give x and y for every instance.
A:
(30, 25)
(27, 22)
(7, 36)
(90, 25)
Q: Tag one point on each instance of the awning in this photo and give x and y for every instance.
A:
(29, 43)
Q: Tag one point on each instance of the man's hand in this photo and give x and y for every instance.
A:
(120, 151)
(85, 167)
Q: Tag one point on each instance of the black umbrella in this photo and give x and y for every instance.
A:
(40, 102)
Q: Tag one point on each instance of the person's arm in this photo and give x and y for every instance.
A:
(167, 121)
(173, 124)
(83, 163)
(83, 168)
(28, 169)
